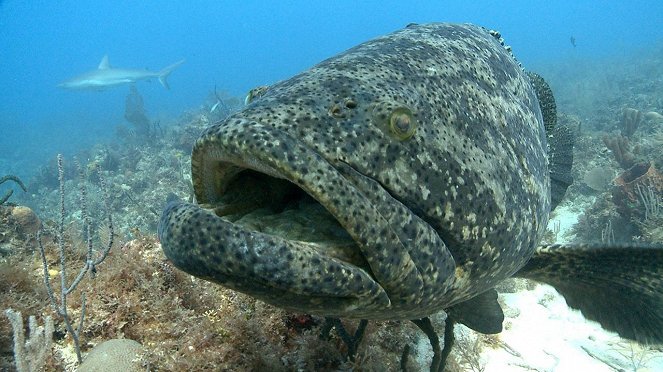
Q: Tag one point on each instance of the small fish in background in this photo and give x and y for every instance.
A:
(255, 93)
(106, 76)
(219, 102)
(572, 39)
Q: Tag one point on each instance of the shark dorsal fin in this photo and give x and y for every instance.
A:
(104, 65)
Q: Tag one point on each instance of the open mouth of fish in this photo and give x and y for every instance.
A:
(278, 221)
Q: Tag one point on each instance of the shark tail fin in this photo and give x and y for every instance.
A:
(163, 74)
(619, 286)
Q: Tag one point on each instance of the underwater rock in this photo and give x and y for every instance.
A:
(598, 178)
(114, 355)
(653, 115)
(25, 220)
(625, 193)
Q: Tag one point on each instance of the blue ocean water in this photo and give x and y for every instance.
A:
(236, 46)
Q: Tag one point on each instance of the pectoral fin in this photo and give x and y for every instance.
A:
(621, 287)
(481, 313)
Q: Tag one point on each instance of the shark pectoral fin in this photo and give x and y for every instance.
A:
(620, 287)
(481, 313)
(163, 74)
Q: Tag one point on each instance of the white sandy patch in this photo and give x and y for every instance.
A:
(545, 335)
(566, 216)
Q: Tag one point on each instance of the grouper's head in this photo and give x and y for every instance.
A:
(338, 191)
(288, 212)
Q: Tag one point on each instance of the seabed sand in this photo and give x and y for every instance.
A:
(549, 336)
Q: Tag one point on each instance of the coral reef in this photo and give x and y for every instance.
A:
(17, 227)
(630, 121)
(598, 178)
(25, 220)
(93, 258)
(22, 290)
(621, 150)
(134, 112)
(30, 355)
(122, 354)
(627, 193)
(185, 323)
(9, 193)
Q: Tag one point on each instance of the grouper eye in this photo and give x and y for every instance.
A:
(402, 123)
(395, 119)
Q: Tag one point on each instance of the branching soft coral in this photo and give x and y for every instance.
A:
(9, 193)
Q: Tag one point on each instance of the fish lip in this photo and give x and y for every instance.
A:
(226, 149)
(341, 288)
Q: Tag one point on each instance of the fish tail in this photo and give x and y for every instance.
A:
(619, 286)
(163, 74)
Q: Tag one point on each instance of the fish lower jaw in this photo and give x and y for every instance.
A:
(291, 274)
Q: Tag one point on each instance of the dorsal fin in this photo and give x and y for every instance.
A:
(560, 140)
(104, 65)
(546, 100)
(560, 160)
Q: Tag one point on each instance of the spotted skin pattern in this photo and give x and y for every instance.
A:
(438, 216)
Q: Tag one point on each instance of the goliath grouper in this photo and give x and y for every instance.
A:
(408, 175)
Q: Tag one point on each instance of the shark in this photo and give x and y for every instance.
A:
(106, 76)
